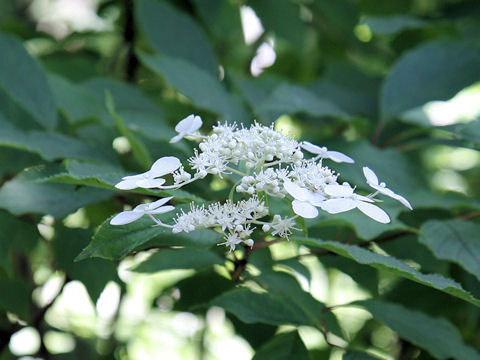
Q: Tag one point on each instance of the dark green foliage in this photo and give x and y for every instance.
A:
(351, 75)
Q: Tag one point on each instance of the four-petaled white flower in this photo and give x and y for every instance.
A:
(156, 207)
(372, 180)
(344, 199)
(305, 202)
(186, 127)
(324, 153)
(151, 178)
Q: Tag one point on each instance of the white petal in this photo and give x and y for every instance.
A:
(304, 209)
(161, 209)
(339, 157)
(338, 190)
(372, 179)
(159, 202)
(137, 177)
(296, 191)
(316, 199)
(150, 183)
(177, 138)
(374, 212)
(335, 206)
(164, 165)
(189, 125)
(314, 149)
(184, 125)
(196, 124)
(363, 198)
(383, 190)
(404, 201)
(128, 184)
(126, 217)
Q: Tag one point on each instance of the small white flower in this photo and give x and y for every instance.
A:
(156, 207)
(372, 180)
(323, 153)
(186, 127)
(344, 199)
(283, 227)
(305, 202)
(148, 180)
(232, 240)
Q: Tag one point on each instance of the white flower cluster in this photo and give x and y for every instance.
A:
(264, 163)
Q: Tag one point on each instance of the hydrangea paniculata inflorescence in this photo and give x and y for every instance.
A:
(265, 163)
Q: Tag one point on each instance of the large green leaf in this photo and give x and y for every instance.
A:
(51, 146)
(24, 81)
(114, 242)
(393, 265)
(139, 150)
(186, 258)
(21, 197)
(388, 25)
(434, 71)
(284, 284)
(268, 308)
(77, 102)
(93, 174)
(453, 240)
(282, 17)
(14, 232)
(15, 297)
(288, 346)
(175, 34)
(202, 88)
(291, 99)
(436, 335)
(67, 244)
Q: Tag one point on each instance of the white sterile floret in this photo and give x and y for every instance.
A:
(324, 153)
(305, 202)
(187, 126)
(372, 180)
(342, 198)
(156, 207)
(151, 178)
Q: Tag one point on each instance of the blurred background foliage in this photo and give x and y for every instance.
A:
(394, 84)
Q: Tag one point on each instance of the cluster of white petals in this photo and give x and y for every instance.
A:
(262, 163)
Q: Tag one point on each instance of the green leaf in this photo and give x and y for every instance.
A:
(284, 284)
(14, 232)
(186, 258)
(203, 89)
(115, 242)
(139, 150)
(453, 240)
(435, 71)
(96, 175)
(282, 17)
(292, 99)
(67, 244)
(15, 297)
(51, 146)
(159, 21)
(268, 308)
(77, 102)
(393, 265)
(21, 197)
(24, 81)
(357, 355)
(388, 25)
(436, 335)
(288, 346)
